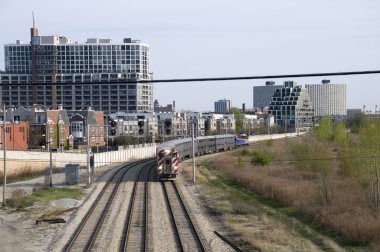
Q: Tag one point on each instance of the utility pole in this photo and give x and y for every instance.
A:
(106, 156)
(163, 132)
(88, 154)
(50, 163)
(192, 140)
(97, 139)
(5, 157)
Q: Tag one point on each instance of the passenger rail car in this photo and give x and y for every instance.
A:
(170, 153)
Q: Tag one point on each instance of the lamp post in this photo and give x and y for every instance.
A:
(88, 154)
(97, 139)
(5, 156)
(50, 122)
(193, 150)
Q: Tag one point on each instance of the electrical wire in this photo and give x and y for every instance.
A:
(207, 79)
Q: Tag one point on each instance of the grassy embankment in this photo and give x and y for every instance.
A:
(42, 196)
(274, 204)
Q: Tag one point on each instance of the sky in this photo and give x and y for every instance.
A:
(220, 38)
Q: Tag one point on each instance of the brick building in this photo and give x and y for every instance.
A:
(16, 136)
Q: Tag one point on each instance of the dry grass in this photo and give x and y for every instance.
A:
(255, 225)
(17, 197)
(348, 213)
(21, 173)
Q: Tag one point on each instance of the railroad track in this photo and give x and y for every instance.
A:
(135, 236)
(84, 237)
(187, 236)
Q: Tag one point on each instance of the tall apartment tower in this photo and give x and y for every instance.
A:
(291, 106)
(53, 70)
(222, 106)
(328, 99)
(263, 94)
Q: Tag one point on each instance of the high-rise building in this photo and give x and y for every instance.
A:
(52, 70)
(328, 99)
(263, 94)
(222, 106)
(291, 106)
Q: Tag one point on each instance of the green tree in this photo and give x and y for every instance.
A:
(357, 122)
(324, 131)
(340, 134)
(320, 164)
(314, 157)
(260, 158)
(359, 161)
(240, 162)
(125, 140)
(239, 120)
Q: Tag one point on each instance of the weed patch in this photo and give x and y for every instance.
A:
(44, 195)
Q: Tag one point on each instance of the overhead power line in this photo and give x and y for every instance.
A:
(269, 76)
(259, 77)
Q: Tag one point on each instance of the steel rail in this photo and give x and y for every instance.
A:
(232, 245)
(172, 216)
(126, 233)
(146, 241)
(78, 231)
(203, 248)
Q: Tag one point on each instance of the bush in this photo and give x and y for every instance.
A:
(299, 151)
(260, 158)
(245, 152)
(240, 162)
(268, 143)
(17, 198)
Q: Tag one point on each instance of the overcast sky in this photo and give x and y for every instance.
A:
(219, 38)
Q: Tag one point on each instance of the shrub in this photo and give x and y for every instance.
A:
(299, 151)
(245, 152)
(260, 158)
(17, 198)
(240, 162)
(325, 130)
(268, 143)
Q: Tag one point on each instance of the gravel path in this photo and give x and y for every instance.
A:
(191, 195)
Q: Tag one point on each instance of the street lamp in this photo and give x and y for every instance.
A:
(5, 155)
(48, 124)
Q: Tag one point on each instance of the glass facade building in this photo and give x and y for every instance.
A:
(98, 73)
(291, 106)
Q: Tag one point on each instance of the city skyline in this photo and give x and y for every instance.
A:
(247, 39)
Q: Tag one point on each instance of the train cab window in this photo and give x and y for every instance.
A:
(167, 162)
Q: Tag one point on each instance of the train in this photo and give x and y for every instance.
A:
(241, 140)
(170, 153)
